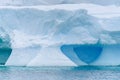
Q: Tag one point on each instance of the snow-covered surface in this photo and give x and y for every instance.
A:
(44, 25)
(51, 2)
(93, 9)
(38, 32)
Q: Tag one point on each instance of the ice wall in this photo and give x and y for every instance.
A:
(5, 46)
(38, 34)
(85, 53)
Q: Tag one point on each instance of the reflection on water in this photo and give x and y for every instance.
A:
(59, 73)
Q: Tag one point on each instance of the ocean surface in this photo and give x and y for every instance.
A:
(60, 73)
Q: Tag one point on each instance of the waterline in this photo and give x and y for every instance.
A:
(60, 73)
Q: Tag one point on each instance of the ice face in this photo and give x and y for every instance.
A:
(51, 56)
(4, 39)
(5, 46)
(63, 24)
(39, 33)
(38, 26)
(22, 56)
(86, 53)
(4, 55)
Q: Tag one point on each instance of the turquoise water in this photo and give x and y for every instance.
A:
(60, 73)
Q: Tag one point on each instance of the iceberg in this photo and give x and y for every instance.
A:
(60, 35)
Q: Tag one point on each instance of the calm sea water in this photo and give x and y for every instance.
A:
(60, 73)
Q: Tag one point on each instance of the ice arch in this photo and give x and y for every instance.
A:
(85, 53)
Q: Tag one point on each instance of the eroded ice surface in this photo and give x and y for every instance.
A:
(37, 33)
(5, 46)
(85, 53)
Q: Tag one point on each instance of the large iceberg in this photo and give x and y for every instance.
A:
(62, 35)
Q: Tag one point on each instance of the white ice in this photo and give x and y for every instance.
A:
(37, 32)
